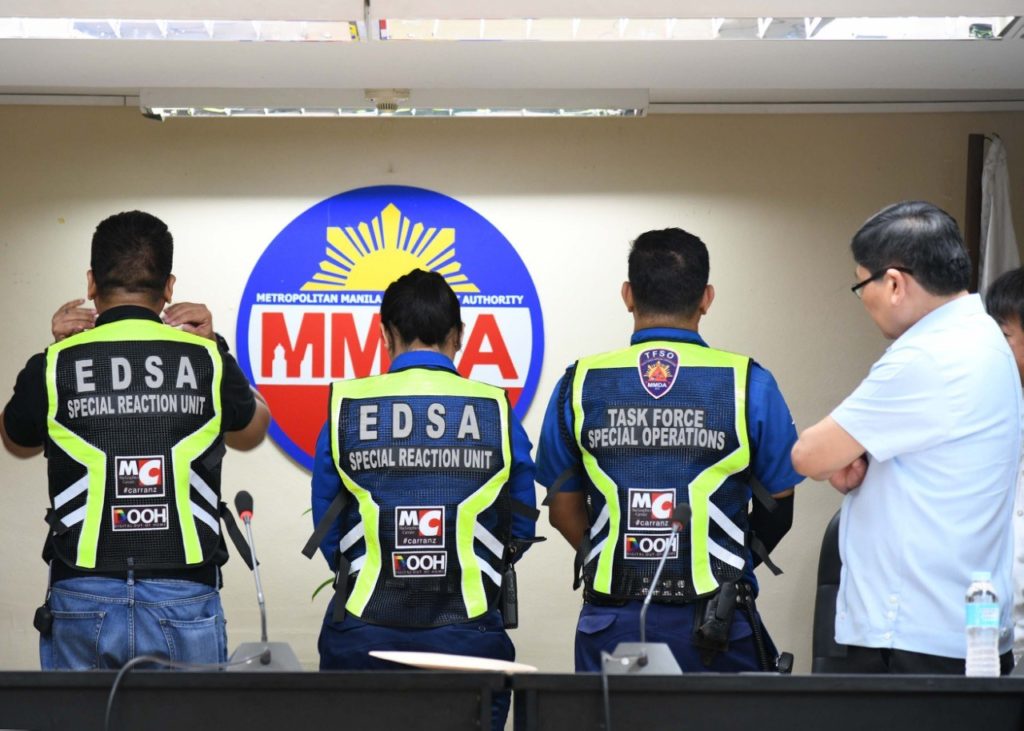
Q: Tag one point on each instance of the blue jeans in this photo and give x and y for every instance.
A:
(346, 646)
(101, 623)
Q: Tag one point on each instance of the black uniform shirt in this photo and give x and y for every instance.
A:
(25, 422)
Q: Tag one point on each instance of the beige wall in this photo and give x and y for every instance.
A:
(776, 198)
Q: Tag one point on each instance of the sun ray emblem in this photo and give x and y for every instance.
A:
(658, 372)
(372, 255)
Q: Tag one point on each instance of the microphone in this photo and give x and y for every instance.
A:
(639, 657)
(680, 517)
(282, 657)
(243, 504)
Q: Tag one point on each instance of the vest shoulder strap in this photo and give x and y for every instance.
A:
(341, 587)
(564, 389)
(761, 551)
(526, 511)
(556, 486)
(325, 523)
(762, 495)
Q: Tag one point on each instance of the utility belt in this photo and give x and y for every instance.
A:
(208, 574)
(605, 600)
(713, 618)
(508, 600)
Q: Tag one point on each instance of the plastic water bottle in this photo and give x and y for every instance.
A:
(982, 627)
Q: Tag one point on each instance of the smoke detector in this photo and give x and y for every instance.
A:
(386, 101)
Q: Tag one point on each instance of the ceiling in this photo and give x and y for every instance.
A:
(677, 76)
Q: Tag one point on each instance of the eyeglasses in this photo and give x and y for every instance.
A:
(856, 289)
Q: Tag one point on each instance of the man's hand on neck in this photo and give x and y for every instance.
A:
(71, 318)
(191, 317)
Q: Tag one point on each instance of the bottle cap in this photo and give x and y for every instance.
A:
(981, 576)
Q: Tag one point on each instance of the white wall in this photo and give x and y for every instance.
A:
(776, 198)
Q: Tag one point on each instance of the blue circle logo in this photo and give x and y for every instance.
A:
(309, 314)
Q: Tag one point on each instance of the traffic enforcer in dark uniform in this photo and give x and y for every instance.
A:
(126, 494)
(426, 454)
(661, 423)
(642, 455)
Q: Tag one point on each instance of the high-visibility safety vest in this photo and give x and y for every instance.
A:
(134, 460)
(660, 423)
(427, 455)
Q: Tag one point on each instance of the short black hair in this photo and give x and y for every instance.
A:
(421, 306)
(668, 272)
(132, 252)
(1004, 298)
(919, 236)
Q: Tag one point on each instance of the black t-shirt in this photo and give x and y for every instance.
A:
(25, 413)
(25, 422)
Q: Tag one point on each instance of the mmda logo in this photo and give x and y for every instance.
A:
(310, 310)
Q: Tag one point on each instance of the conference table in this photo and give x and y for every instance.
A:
(410, 701)
(763, 702)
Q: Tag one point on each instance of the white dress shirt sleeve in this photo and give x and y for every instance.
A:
(900, 407)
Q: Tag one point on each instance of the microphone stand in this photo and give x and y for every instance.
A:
(259, 585)
(643, 660)
(631, 658)
(273, 656)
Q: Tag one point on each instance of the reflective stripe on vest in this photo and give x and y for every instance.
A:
(95, 460)
(422, 382)
(700, 489)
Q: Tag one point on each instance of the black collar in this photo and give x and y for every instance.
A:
(127, 312)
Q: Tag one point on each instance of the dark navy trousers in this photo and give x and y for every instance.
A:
(346, 646)
(602, 628)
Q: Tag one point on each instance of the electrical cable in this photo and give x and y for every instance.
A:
(605, 695)
(755, 626)
(166, 662)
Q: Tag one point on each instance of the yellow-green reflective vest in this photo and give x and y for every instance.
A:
(659, 423)
(134, 427)
(427, 455)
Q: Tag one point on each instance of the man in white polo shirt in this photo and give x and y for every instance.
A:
(925, 450)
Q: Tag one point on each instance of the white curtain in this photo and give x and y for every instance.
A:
(998, 244)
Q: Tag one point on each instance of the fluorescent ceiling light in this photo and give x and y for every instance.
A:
(510, 29)
(912, 28)
(401, 111)
(332, 31)
(311, 103)
(691, 29)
